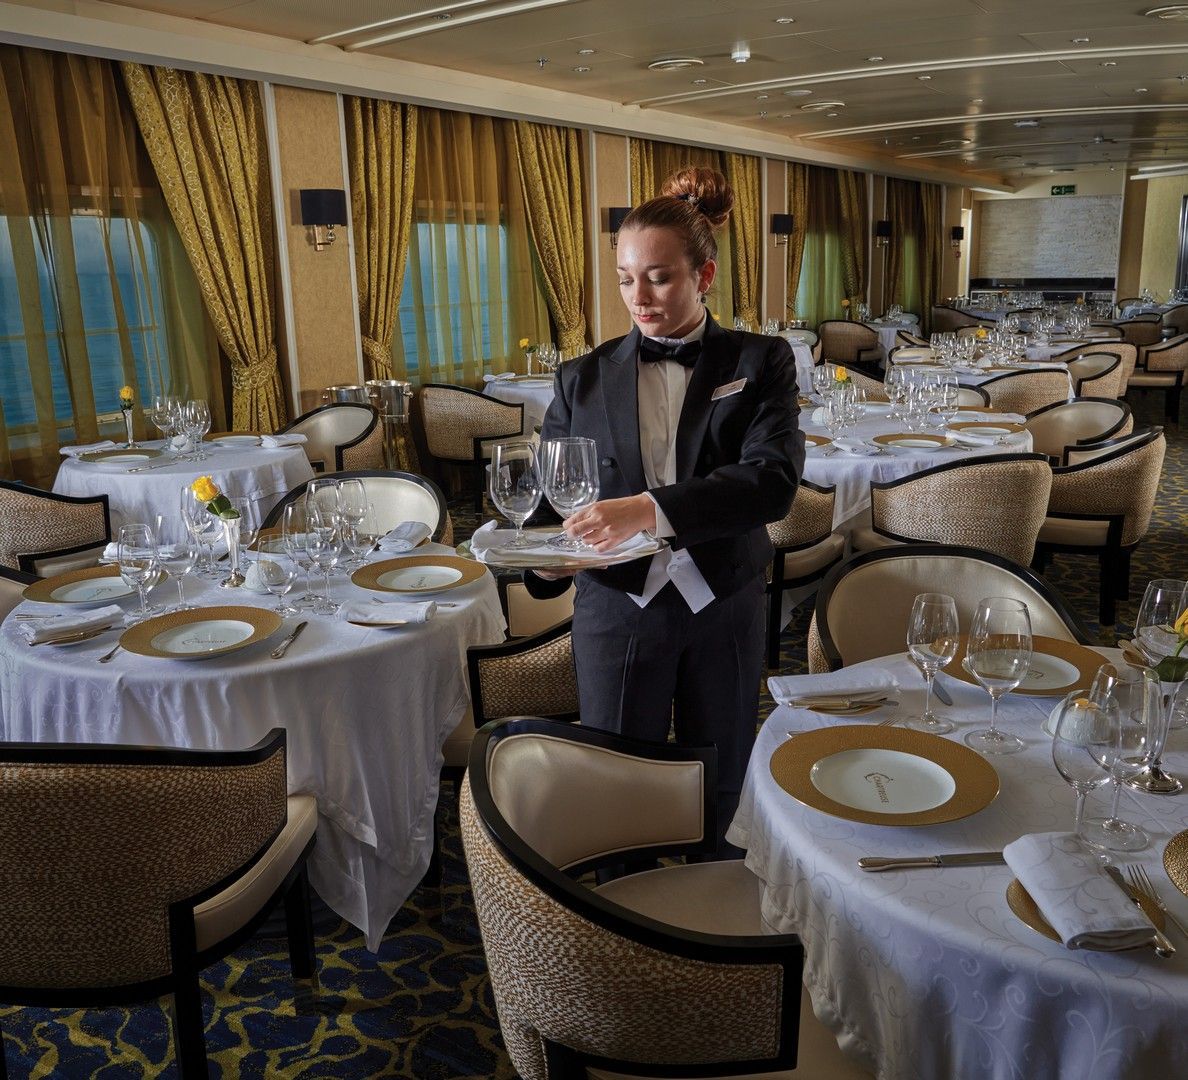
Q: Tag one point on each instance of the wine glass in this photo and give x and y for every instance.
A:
(281, 572)
(352, 501)
(1082, 747)
(177, 560)
(203, 526)
(1135, 694)
(570, 480)
(998, 655)
(1163, 602)
(932, 643)
(323, 545)
(515, 487)
(293, 529)
(136, 555)
(322, 495)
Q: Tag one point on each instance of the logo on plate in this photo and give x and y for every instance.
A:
(880, 781)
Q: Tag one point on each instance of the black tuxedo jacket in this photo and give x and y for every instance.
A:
(738, 459)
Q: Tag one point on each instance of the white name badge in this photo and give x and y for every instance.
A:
(728, 389)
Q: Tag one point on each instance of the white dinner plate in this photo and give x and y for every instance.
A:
(94, 586)
(916, 444)
(234, 441)
(1048, 673)
(200, 633)
(425, 578)
(883, 781)
(197, 640)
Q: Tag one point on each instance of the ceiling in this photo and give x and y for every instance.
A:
(1097, 83)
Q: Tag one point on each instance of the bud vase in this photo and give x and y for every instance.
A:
(130, 439)
(231, 534)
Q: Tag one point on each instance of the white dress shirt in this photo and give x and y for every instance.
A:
(661, 392)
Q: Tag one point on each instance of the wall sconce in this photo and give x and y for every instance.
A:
(615, 216)
(957, 234)
(781, 228)
(321, 210)
(882, 233)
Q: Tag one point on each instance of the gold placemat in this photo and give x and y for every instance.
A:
(1025, 910)
(976, 781)
(139, 638)
(1175, 861)
(367, 577)
(42, 590)
(1085, 660)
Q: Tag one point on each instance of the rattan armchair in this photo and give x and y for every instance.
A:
(1107, 329)
(462, 424)
(44, 533)
(661, 973)
(1097, 375)
(1142, 330)
(1161, 367)
(526, 615)
(1066, 424)
(1125, 302)
(849, 343)
(1175, 321)
(947, 320)
(1101, 505)
(994, 503)
(1127, 356)
(908, 339)
(341, 435)
(843, 632)
(1025, 391)
(805, 548)
(12, 587)
(128, 870)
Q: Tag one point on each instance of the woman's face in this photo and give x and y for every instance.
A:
(661, 289)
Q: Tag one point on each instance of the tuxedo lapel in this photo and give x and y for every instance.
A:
(620, 400)
(715, 366)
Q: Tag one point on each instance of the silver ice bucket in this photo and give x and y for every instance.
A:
(391, 397)
(337, 394)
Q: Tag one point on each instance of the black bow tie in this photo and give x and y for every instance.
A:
(685, 354)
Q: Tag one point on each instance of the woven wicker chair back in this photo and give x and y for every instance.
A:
(369, 454)
(1176, 320)
(330, 427)
(1172, 355)
(1123, 486)
(947, 320)
(1141, 331)
(810, 519)
(454, 418)
(541, 681)
(1096, 375)
(846, 342)
(1025, 391)
(30, 523)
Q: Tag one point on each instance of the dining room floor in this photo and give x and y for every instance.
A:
(422, 1006)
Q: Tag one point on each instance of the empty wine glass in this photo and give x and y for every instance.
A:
(280, 572)
(136, 555)
(570, 480)
(1086, 732)
(323, 545)
(932, 643)
(998, 655)
(1163, 602)
(177, 560)
(352, 501)
(515, 486)
(293, 529)
(203, 526)
(322, 495)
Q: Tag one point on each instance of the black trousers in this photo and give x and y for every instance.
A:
(640, 669)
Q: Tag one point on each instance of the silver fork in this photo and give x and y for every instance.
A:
(1143, 883)
(891, 721)
(106, 657)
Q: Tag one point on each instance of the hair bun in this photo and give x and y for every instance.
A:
(706, 190)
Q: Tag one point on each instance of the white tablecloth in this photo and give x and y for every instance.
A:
(852, 474)
(926, 974)
(536, 395)
(887, 333)
(367, 712)
(253, 473)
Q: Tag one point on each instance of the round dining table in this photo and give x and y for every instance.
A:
(146, 491)
(534, 392)
(367, 711)
(926, 974)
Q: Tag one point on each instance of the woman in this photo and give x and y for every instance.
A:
(697, 439)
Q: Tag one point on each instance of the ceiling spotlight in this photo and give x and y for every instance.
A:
(1140, 90)
(874, 59)
(741, 53)
(785, 20)
(977, 101)
(760, 97)
(581, 70)
(675, 63)
(763, 115)
(585, 52)
(1169, 12)
(822, 106)
(700, 82)
(924, 78)
(1080, 41)
(1026, 123)
(541, 61)
(954, 142)
(797, 91)
(1109, 63)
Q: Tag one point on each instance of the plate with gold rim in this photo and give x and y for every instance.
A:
(1027, 912)
(1175, 861)
(82, 588)
(416, 574)
(989, 428)
(124, 457)
(1056, 667)
(915, 442)
(817, 440)
(879, 775)
(200, 633)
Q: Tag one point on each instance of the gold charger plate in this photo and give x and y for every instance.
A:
(1175, 861)
(144, 454)
(974, 781)
(1084, 660)
(42, 591)
(907, 439)
(1025, 910)
(975, 426)
(153, 637)
(211, 436)
(817, 440)
(466, 571)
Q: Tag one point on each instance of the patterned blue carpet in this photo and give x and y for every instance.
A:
(422, 1006)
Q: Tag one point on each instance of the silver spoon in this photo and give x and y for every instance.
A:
(106, 658)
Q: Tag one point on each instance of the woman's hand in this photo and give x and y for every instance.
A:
(606, 524)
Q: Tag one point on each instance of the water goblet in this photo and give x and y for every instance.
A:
(998, 656)
(1086, 732)
(932, 643)
(294, 525)
(323, 545)
(178, 560)
(280, 573)
(203, 526)
(136, 555)
(515, 486)
(570, 480)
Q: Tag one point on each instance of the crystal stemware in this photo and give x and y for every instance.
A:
(203, 526)
(1086, 732)
(136, 555)
(178, 560)
(998, 656)
(515, 486)
(570, 480)
(323, 545)
(932, 643)
(278, 570)
(293, 529)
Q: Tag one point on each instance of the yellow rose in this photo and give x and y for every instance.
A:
(204, 489)
(1080, 299)
(982, 333)
(1181, 624)
(841, 375)
(845, 303)
(126, 394)
(523, 343)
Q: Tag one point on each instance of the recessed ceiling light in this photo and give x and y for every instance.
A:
(785, 20)
(581, 70)
(675, 63)
(831, 114)
(760, 97)
(797, 91)
(741, 53)
(700, 82)
(1140, 90)
(1169, 12)
(874, 59)
(585, 52)
(763, 115)
(924, 78)
(1026, 123)
(1109, 63)
(1080, 41)
(977, 101)
(822, 106)
(954, 142)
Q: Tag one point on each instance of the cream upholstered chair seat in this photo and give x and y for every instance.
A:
(669, 968)
(1096, 374)
(1025, 391)
(525, 614)
(1162, 367)
(1055, 428)
(949, 320)
(843, 631)
(44, 533)
(341, 435)
(972, 396)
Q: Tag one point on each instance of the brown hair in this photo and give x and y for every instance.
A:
(694, 201)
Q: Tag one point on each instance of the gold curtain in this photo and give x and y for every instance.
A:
(742, 171)
(550, 166)
(471, 290)
(205, 136)
(855, 229)
(913, 266)
(829, 241)
(92, 294)
(798, 174)
(381, 138)
(932, 249)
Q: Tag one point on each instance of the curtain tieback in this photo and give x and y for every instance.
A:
(258, 375)
(378, 354)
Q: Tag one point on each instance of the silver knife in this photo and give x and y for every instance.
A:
(1162, 943)
(149, 468)
(915, 862)
(942, 693)
(283, 647)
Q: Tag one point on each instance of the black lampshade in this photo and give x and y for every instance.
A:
(781, 224)
(323, 206)
(883, 229)
(958, 232)
(615, 216)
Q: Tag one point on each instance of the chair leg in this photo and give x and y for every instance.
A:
(299, 924)
(1122, 590)
(3, 1066)
(479, 484)
(189, 1036)
(1171, 404)
(774, 610)
(1108, 590)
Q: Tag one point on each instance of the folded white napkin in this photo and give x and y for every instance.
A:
(490, 538)
(75, 451)
(365, 611)
(503, 376)
(857, 447)
(111, 553)
(406, 536)
(818, 415)
(847, 682)
(913, 352)
(1066, 882)
(38, 630)
(272, 442)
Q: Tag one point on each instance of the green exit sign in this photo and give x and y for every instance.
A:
(1064, 189)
